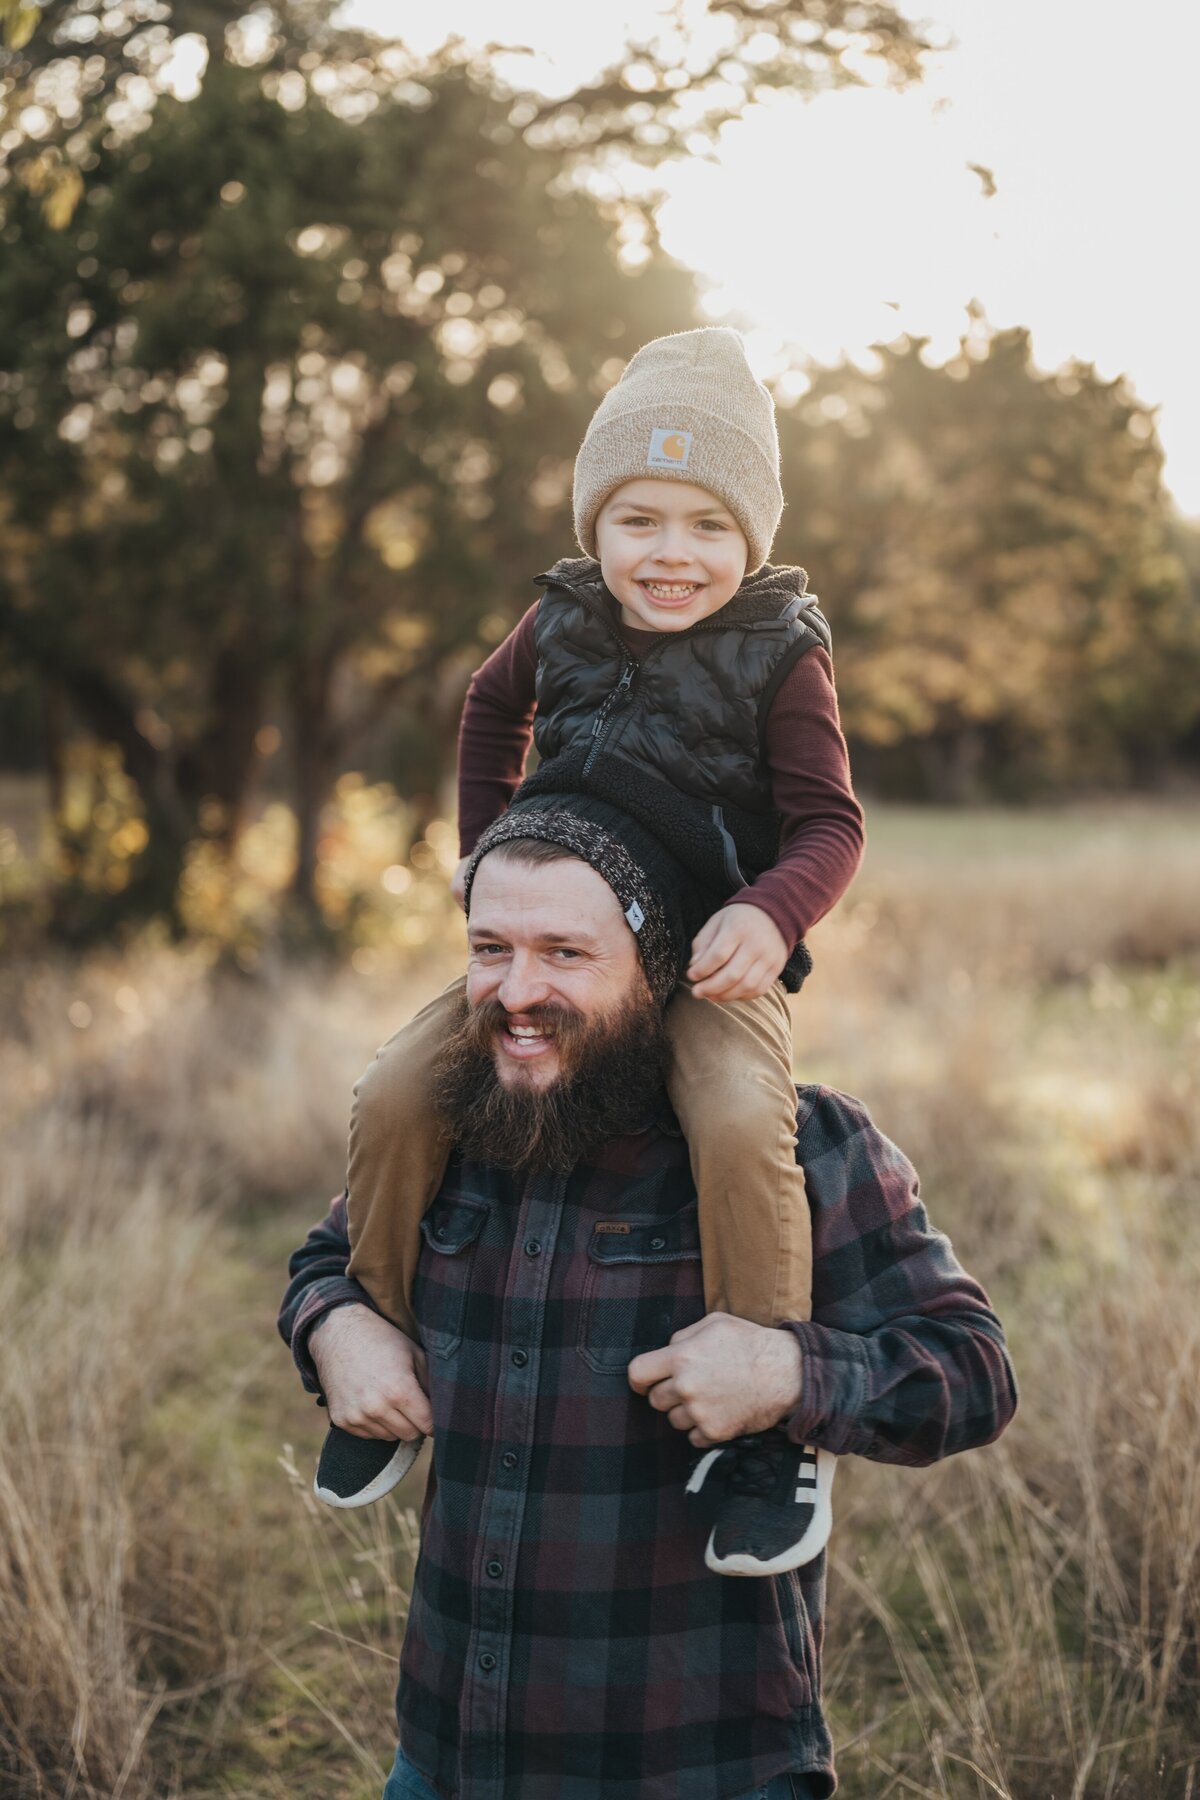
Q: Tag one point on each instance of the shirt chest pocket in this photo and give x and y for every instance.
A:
(643, 1282)
(450, 1230)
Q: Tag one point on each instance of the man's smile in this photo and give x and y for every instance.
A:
(523, 1040)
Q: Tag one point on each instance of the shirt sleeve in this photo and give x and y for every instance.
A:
(904, 1360)
(318, 1284)
(821, 843)
(495, 732)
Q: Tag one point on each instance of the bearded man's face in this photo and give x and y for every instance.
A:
(560, 1045)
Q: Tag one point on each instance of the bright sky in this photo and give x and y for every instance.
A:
(830, 224)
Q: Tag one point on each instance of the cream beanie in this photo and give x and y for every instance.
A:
(687, 408)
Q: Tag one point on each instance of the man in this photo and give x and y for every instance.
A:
(565, 1640)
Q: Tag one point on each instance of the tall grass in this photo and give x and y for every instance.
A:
(1019, 1002)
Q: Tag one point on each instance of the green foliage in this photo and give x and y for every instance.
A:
(996, 546)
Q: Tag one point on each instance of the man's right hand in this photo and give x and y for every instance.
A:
(372, 1376)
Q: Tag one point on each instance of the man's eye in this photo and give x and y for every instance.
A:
(562, 950)
(488, 949)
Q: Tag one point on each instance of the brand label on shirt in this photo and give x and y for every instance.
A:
(669, 449)
(614, 1225)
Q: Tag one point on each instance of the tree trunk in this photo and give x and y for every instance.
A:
(309, 701)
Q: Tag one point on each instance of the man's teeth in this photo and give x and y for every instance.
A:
(525, 1031)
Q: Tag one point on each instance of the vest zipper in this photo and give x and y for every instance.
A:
(617, 698)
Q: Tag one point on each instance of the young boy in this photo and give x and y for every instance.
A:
(674, 674)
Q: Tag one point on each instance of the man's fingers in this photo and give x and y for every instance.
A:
(391, 1416)
(649, 1367)
(682, 1418)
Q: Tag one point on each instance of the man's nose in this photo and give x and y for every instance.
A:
(524, 985)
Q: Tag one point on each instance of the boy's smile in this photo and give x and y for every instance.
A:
(670, 552)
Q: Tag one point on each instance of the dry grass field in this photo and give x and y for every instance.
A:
(1017, 997)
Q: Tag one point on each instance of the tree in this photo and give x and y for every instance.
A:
(295, 368)
(994, 543)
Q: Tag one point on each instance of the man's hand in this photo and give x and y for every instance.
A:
(737, 955)
(372, 1376)
(722, 1377)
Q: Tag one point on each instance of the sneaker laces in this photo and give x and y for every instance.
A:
(754, 1463)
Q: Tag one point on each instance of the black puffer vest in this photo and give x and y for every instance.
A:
(675, 736)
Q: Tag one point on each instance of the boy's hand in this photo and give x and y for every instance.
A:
(737, 955)
(458, 882)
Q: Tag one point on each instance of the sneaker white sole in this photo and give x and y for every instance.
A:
(407, 1452)
(804, 1549)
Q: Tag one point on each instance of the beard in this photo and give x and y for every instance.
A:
(612, 1068)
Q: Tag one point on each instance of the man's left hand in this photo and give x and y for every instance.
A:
(722, 1377)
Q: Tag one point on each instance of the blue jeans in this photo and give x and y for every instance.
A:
(407, 1783)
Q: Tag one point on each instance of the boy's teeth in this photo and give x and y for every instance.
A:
(671, 590)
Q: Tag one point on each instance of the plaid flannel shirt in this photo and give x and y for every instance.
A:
(565, 1639)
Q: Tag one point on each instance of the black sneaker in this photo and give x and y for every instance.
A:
(353, 1471)
(776, 1513)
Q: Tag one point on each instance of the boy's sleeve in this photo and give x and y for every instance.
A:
(904, 1360)
(496, 728)
(319, 1283)
(822, 838)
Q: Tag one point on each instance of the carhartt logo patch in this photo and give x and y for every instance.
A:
(635, 916)
(669, 449)
(614, 1225)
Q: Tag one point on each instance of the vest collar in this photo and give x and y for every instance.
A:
(766, 597)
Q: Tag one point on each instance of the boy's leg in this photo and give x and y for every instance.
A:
(733, 1092)
(398, 1151)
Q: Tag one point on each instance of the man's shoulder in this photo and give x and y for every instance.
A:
(838, 1128)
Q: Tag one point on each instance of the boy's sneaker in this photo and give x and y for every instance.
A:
(776, 1513)
(353, 1471)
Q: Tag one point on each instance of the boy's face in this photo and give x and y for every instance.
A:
(670, 552)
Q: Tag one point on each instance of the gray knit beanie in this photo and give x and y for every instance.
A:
(649, 884)
(687, 408)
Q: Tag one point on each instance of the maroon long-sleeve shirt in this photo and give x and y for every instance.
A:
(822, 837)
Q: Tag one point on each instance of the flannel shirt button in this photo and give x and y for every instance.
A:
(487, 1661)
(520, 1358)
(439, 1232)
(509, 1459)
(495, 1568)
(533, 1247)
(658, 1243)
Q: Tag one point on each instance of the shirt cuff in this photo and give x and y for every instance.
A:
(833, 1395)
(322, 1298)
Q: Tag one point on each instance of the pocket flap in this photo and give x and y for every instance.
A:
(675, 1239)
(450, 1225)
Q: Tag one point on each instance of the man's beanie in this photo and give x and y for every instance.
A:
(687, 408)
(644, 876)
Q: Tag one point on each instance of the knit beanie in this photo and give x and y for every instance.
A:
(644, 876)
(687, 408)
